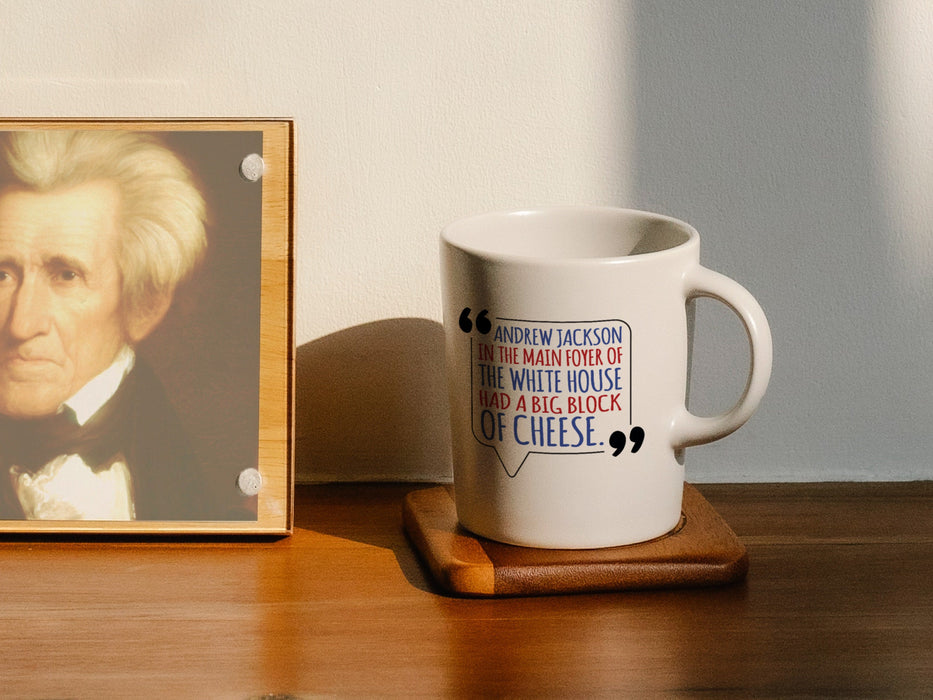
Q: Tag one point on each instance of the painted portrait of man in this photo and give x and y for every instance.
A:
(99, 230)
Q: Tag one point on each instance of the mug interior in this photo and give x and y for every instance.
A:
(568, 233)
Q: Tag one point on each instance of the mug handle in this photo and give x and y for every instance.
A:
(689, 429)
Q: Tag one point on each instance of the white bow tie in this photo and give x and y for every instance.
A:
(68, 489)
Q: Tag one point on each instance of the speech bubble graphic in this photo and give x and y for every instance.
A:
(552, 387)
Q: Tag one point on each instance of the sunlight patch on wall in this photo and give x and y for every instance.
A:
(903, 88)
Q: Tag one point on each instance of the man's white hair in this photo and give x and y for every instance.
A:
(162, 215)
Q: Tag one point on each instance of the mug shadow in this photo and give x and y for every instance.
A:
(333, 510)
(371, 406)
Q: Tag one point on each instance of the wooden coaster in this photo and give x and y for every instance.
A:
(702, 551)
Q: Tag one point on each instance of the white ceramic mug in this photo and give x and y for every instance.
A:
(567, 359)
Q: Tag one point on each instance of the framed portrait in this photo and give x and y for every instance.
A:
(146, 347)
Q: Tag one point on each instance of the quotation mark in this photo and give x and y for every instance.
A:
(618, 440)
(483, 324)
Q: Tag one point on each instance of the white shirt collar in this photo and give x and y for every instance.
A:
(93, 395)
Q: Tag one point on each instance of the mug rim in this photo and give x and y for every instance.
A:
(457, 241)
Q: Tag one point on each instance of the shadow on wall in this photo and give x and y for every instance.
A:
(758, 123)
(371, 404)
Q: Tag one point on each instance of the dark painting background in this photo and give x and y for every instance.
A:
(206, 351)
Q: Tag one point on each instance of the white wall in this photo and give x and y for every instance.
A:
(796, 137)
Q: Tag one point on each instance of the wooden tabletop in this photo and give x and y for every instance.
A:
(838, 601)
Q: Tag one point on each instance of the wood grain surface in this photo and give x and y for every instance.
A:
(837, 602)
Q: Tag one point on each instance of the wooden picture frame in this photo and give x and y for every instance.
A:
(219, 342)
